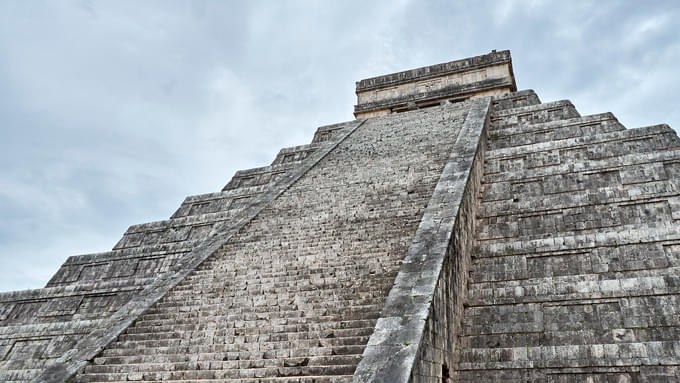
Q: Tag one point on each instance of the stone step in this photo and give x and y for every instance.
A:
(293, 316)
(284, 278)
(204, 203)
(533, 114)
(163, 250)
(575, 154)
(301, 287)
(302, 263)
(265, 175)
(272, 328)
(285, 301)
(284, 293)
(566, 374)
(287, 292)
(84, 288)
(315, 324)
(121, 268)
(669, 234)
(166, 377)
(600, 260)
(116, 275)
(656, 180)
(602, 315)
(567, 221)
(196, 223)
(277, 282)
(245, 322)
(214, 210)
(48, 329)
(318, 302)
(663, 281)
(515, 100)
(241, 351)
(563, 334)
(23, 375)
(184, 362)
(583, 126)
(222, 374)
(209, 325)
(360, 298)
(573, 356)
(192, 220)
(277, 333)
(291, 286)
(138, 347)
(531, 200)
(274, 342)
(630, 162)
(331, 132)
(578, 221)
(295, 153)
(29, 362)
(597, 146)
(248, 376)
(567, 239)
(183, 240)
(40, 316)
(290, 312)
(321, 256)
(289, 269)
(285, 286)
(188, 237)
(281, 274)
(250, 305)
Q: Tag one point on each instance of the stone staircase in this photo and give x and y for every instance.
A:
(39, 326)
(574, 275)
(295, 295)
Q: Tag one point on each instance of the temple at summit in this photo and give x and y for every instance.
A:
(458, 230)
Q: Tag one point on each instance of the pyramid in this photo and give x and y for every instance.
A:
(457, 230)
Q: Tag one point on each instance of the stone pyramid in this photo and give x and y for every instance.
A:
(458, 230)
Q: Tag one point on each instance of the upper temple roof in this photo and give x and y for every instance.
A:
(484, 75)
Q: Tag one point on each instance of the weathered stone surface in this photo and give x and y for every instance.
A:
(455, 81)
(297, 290)
(574, 278)
(414, 338)
(93, 297)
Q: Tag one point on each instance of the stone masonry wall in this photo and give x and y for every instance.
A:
(575, 276)
(473, 77)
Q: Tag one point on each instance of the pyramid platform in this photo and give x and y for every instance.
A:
(458, 230)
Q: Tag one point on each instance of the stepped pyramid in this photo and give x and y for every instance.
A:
(458, 230)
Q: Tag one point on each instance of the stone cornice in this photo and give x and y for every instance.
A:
(493, 58)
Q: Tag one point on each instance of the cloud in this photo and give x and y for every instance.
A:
(113, 112)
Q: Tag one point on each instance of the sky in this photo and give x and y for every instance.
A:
(112, 112)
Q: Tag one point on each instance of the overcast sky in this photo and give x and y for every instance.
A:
(111, 112)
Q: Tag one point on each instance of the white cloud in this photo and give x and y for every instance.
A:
(113, 112)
